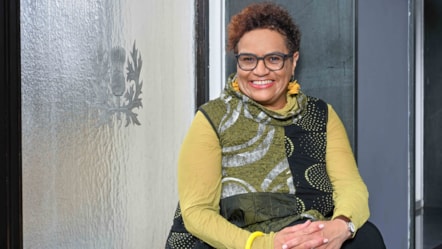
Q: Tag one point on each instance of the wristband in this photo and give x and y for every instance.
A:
(251, 238)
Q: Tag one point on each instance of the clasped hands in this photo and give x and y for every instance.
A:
(318, 234)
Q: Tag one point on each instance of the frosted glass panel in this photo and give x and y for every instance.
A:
(104, 85)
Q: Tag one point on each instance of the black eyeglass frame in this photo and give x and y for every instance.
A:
(258, 58)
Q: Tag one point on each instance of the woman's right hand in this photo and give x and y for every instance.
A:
(302, 236)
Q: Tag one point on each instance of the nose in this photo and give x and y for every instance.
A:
(261, 68)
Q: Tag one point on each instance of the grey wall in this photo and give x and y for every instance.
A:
(383, 114)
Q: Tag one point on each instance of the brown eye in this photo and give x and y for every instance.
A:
(274, 58)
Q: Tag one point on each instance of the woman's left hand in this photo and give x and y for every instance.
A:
(336, 231)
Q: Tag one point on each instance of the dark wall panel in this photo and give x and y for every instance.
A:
(433, 104)
(326, 65)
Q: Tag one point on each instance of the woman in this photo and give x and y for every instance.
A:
(264, 165)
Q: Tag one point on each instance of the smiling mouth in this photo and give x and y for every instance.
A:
(262, 82)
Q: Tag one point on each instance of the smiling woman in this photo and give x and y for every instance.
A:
(326, 63)
(265, 165)
(265, 84)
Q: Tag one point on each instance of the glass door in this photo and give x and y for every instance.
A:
(104, 84)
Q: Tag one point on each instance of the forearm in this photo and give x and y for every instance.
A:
(349, 190)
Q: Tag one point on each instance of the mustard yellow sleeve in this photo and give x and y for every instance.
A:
(350, 193)
(199, 189)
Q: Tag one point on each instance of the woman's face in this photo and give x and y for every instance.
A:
(268, 88)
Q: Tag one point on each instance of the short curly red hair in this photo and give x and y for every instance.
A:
(263, 16)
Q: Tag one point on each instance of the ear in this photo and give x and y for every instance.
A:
(295, 60)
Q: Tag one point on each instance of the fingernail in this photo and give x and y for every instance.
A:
(325, 241)
(284, 246)
(321, 225)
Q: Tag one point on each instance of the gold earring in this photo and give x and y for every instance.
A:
(235, 85)
(293, 87)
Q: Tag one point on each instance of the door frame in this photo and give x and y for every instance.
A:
(10, 127)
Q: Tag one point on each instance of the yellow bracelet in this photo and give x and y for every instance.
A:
(251, 238)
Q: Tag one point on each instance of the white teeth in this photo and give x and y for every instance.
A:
(261, 82)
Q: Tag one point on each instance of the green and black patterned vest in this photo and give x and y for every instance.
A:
(273, 166)
(268, 157)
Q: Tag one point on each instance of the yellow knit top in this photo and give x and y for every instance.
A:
(199, 184)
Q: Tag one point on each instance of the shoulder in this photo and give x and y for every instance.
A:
(316, 101)
(317, 105)
(214, 111)
(214, 103)
(212, 108)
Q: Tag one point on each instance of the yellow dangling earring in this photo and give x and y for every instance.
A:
(293, 87)
(235, 85)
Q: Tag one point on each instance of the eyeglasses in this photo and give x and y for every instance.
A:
(272, 61)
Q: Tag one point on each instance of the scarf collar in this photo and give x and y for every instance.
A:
(293, 109)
